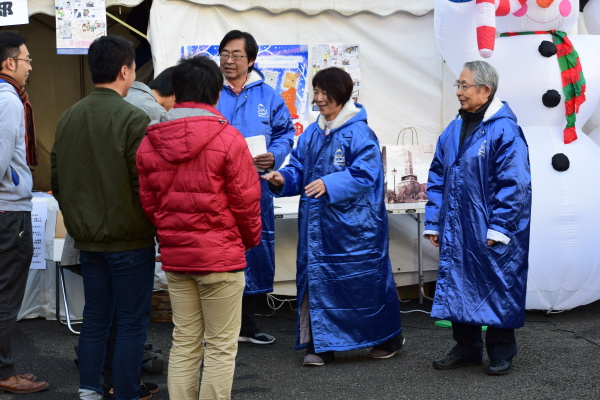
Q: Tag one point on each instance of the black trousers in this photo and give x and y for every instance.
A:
(16, 251)
(500, 344)
(249, 327)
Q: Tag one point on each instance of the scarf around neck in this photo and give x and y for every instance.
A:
(571, 73)
(30, 139)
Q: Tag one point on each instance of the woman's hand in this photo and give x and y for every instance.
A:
(316, 188)
(275, 178)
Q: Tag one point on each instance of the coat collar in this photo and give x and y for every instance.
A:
(348, 111)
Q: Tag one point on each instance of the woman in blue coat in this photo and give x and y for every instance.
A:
(346, 292)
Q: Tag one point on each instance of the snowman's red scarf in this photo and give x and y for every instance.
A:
(572, 77)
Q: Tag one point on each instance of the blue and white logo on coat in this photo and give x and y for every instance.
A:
(481, 151)
(339, 159)
(262, 111)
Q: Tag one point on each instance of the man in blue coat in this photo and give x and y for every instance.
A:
(478, 214)
(255, 109)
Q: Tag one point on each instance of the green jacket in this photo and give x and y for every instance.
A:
(93, 173)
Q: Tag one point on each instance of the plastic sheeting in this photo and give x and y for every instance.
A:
(564, 261)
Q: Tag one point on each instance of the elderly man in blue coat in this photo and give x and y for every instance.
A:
(255, 109)
(478, 214)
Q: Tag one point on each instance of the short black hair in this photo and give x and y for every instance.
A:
(250, 44)
(163, 83)
(107, 55)
(9, 45)
(197, 79)
(336, 82)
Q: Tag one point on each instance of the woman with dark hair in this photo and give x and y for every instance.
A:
(346, 292)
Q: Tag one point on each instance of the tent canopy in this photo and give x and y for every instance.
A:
(313, 7)
(47, 6)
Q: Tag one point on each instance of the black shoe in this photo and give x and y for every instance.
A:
(144, 393)
(451, 361)
(499, 367)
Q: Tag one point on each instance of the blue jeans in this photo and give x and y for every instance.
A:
(115, 283)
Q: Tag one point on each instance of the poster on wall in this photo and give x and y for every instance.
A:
(285, 68)
(406, 168)
(78, 23)
(342, 55)
(13, 12)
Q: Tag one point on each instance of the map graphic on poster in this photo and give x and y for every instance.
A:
(342, 55)
(285, 68)
(78, 23)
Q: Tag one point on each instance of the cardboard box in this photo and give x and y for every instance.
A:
(54, 249)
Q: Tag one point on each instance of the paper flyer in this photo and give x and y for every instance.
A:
(39, 215)
(78, 23)
(285, 68)
(342, 55)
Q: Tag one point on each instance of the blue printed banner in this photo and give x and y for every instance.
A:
(285, 68)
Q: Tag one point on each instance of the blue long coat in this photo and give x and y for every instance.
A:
(343, 269)
(478, 189)
(259, 110)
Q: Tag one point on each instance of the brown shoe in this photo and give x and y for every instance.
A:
(18, 384)
(29, 377)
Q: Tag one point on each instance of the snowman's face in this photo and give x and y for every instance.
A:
(540, 15)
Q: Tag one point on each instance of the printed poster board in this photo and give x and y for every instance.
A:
(78, 24)
(285, 68)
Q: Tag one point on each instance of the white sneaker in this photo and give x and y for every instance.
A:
(259, 338)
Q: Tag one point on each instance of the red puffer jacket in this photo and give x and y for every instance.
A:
(199, 187)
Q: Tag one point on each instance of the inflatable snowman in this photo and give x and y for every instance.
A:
(553, 96)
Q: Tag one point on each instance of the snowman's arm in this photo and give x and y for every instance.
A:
(511, 201)
(456, 32)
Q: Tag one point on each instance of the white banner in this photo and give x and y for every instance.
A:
(13, 12)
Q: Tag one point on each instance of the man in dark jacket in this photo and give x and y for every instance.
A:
(95, 182)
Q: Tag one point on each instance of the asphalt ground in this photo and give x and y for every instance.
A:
(559, 358)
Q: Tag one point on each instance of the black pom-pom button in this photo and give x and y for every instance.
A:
(551, 98)
(560, 162)
(547, 49)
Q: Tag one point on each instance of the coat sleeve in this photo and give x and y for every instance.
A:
(512, 182)
(243, 191)
(282, 133)
(147, 195)
(360, 175)
(135, 133)
(435, 190)
(293, 173)
(11, 134)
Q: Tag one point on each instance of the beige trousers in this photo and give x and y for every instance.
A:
(204, 307)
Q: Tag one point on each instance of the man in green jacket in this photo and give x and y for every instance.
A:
(95, 182)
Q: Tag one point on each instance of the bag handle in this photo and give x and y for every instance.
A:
(413, 134)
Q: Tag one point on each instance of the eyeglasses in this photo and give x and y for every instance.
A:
(463, 86)
(27, 60)
(234, 57)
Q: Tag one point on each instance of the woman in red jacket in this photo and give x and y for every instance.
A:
(199, 187)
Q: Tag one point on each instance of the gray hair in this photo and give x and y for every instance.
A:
(485, 75)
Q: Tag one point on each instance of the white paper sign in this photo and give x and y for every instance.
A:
(39, 215)
(13, 12)
(257, 145)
